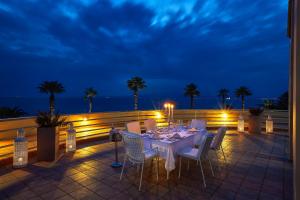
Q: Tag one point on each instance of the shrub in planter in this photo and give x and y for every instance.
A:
(254, 123)
(48, 136)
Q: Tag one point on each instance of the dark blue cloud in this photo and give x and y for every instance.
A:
(214, 43)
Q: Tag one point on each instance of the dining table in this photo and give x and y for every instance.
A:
(169, 141)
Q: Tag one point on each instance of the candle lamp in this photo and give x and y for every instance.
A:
(269, 124)
(71, 139)
(241, 124)
(20, 157)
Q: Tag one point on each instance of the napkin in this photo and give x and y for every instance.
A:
(177, 136)
(193, 129)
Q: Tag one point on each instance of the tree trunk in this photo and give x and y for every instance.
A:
(243, 103)
(51, 102)
(192, 102)
(223, 102)
(90, 105)
(135, 94)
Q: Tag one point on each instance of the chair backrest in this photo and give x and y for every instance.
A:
(134, 147)
(204, 145)
(198, 124)
(198, 137)
(150, 124)
(217, 141)
(134, 127)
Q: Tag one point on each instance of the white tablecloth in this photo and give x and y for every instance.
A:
(168, 149)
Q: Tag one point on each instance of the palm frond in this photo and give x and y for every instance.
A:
(136, 83)
(191, 90)
(51, 87)
(45, 119)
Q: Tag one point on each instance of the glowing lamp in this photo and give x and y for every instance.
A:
(71, 139)
(166, 105)
(20, 158)
(225, 116)
(241, 124)
(158, 115)
(269, 125)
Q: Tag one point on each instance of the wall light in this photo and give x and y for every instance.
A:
(158, 115)
(224, 116)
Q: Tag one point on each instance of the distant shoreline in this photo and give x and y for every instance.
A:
(71, 105)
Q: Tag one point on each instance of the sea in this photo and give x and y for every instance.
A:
(74, 105)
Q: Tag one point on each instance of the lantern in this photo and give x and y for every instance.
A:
(71, 139)
(269, 125)
(20, 150)
(241, 124)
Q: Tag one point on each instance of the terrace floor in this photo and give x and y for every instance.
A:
(258, 168)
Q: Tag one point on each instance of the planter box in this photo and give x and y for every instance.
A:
(47, 144)
(254, 124)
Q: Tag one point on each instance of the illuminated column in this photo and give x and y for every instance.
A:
(20, 158)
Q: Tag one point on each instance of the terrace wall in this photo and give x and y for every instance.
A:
(97, 125)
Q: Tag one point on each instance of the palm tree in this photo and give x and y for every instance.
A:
(90, 93)
(223, 94)
(135, 84)
(51, 87)
(7, 112)
(191, 91)
(243, 92)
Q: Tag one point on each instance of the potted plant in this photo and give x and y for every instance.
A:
(254, 123)
(48, 136)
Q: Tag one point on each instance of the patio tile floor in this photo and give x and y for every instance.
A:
(257, 168)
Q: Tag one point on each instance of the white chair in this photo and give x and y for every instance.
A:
(198, 124)
(201, 126)
(137, 154)
(150, 125)
(216, 144)
(198, 154)
(134, 127)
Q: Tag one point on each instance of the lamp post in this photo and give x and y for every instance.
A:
(20, 158)
(115, 137)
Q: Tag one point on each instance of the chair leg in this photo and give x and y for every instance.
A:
(211, 168)
(217, 161)
(157, 167)
(202, 174)
(223, 154)
(123, 167)
(179, 167)
(141, 177)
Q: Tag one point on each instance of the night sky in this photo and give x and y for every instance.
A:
(83, 43)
